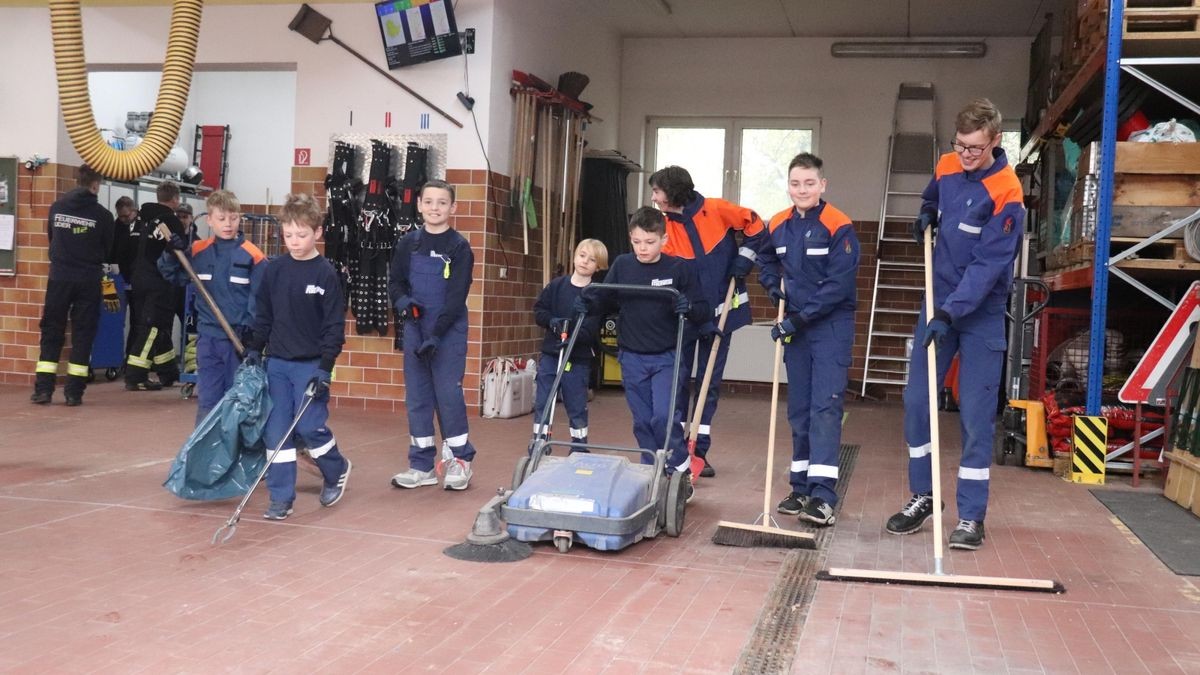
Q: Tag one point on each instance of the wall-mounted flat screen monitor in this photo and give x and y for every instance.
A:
(415, 31)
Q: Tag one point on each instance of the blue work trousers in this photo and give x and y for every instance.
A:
(818, 360)
(287, 382)
(574, 390)
(698, 351)
(216, 364)
(647, 381)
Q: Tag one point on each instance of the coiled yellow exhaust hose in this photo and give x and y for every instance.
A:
(66, 25)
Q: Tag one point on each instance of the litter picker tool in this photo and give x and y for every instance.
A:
(230, 526)
(208, 299)
(702, 395)
(544, 428)
(938, 577)
(769, 533)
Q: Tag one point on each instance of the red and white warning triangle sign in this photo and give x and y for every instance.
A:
(1171, 346)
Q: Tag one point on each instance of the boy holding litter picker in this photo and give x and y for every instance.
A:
(301, 317)
(552, 311)
(231, 269)
(809, 263)
(428, 283)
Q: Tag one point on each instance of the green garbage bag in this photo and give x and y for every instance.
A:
(225, 452)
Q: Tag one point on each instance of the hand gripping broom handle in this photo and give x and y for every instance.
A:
(774, 413)
(934, 441)
(698, 413)
(208, 299)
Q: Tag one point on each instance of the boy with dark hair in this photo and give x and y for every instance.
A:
(703, 231)
(552, 311)
(301, 318)
(428, 284)
(154, 296)
(978, 195)
(647, 325)
(81, 235)
(230, 269)
(810, 262)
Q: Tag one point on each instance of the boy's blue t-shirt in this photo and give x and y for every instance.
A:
(647, 322)
(300, 313)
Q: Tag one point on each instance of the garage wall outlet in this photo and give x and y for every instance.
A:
(503, 272)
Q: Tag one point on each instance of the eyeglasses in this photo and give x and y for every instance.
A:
(968, 150)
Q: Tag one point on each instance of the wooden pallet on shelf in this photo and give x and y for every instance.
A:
(1164, 254)
(1183, 480)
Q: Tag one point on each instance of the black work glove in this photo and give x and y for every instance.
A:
(252, 357)
(682, 304)
(791, 324)
(739, 267)
(938, 328)
(319, 384)
(427, 349)
(581, 305)
(559, 325)
(776, 294)
(406, 309)
(709, 330)
(178, 242)
(926, 220)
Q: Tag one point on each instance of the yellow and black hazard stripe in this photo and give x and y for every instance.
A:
(1090, 440)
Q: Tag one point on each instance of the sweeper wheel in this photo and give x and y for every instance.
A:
(676, 503)
(519, 472)
(563, 543)
(186, 391)
(111, 374)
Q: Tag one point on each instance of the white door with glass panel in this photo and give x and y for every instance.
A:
(743, 160)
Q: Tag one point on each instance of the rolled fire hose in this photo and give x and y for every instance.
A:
(66, 26)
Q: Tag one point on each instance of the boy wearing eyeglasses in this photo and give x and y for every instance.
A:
(977, 199)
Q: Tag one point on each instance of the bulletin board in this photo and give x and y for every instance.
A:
(8, 216)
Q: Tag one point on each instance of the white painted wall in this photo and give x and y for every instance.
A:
(779, 77)
(330, 83)
(543, 38)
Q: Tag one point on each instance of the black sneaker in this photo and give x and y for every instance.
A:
(968, 535)
(74, 400)
(792, 504)
(331, 494)
(278, 510)
(707, 471)
(40, 397)
(912, 516)
(818, 512)
(144, 385)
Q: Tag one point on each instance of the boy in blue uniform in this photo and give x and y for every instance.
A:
(701, 230)
(230, 269)
(647, 325)
(978, 198)
(301, 318)
(428, 284)
(810, 262)
(552, 311)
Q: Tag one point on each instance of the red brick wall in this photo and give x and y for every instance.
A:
(22, 296)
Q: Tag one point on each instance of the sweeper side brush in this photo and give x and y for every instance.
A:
(489, 540)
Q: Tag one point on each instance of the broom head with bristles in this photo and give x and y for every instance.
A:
(760, 536)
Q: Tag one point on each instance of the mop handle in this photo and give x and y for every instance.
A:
(774, 414)
(934, 441)
(212, 304)
(706, 381)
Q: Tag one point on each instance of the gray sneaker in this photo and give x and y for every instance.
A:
(458, 475)
(414, 478)
(792, 504)
(968, 535)
(816, 511)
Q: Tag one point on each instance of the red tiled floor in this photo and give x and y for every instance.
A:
(104, 571)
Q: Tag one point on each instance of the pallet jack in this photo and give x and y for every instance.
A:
(1021, 439)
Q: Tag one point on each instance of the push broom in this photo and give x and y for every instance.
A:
(768, 533)
(693, 429)
(939, 577)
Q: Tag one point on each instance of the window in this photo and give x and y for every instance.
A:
(743, 160)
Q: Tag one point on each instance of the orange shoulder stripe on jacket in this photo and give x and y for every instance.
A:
(948, 164)
(198, 246)
(1004, 188)
(255, 253)
(833, 219)
(779, 218)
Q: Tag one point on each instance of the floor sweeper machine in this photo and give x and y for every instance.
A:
(606, 500)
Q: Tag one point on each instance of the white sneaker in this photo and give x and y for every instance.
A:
(414, 478)
(458, 475)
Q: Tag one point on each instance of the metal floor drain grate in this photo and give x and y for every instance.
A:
(772, 645)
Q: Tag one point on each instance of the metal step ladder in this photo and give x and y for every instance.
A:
(898, 285)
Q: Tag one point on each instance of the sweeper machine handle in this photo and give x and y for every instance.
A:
(208, 299)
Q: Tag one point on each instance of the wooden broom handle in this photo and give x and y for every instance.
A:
(212, 304)
(774, 414)
(698, 413)
(934, 440)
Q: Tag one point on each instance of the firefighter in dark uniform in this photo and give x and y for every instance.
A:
(124, 252)
(81, 235)
(155, 296)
